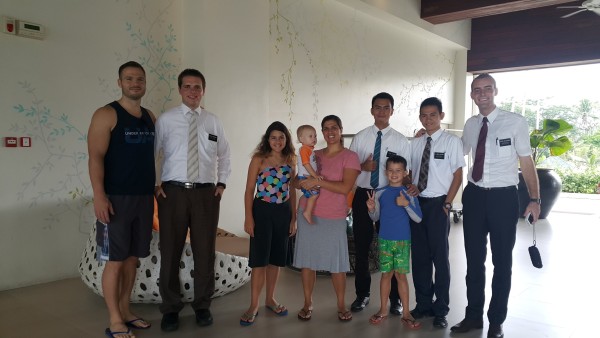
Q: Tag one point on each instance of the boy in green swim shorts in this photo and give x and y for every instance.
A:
(393, 207)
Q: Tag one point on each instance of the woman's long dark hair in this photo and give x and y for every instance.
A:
(263, 149)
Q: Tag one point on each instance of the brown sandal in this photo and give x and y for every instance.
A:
(345, 316)
(305, 315)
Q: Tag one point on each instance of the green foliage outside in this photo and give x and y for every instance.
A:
(583, 183)
(578, 167)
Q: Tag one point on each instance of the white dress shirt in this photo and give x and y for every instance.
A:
(507, 139)
(172, 140)
(392, 143)
(446, 157)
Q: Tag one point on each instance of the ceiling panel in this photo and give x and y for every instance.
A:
(533, 39)
(443, 11)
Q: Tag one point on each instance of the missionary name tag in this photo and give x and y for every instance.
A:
(504, 142)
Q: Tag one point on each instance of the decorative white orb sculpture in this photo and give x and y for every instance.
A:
(231, 272)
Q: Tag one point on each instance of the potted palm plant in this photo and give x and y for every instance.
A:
(550, 140)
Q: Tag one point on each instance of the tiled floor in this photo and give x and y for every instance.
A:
(556, 301)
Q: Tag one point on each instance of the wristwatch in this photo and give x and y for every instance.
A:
(536, 200)
(448, 205)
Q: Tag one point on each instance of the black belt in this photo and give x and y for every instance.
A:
(494, 188)
(190, 185)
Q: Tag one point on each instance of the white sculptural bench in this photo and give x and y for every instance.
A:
(231, 268)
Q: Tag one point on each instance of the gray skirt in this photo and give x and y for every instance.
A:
(321, 246)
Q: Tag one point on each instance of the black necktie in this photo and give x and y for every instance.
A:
(424, 170)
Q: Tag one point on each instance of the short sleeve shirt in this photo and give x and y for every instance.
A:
(392, 143)
(332, 205)
(445, 158)
(507, 140)
(306, 155)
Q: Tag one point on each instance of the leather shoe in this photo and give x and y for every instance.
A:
(440, 321)
(396, 307)
(467, 325)
(495, 331)
(203, 317)
(418, 313)
(170, 321)
(359, 304)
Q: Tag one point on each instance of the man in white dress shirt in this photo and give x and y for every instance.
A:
(188, 196)
(437, 177)
(373, 176)
(499, 142)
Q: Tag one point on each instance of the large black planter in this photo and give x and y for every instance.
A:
(550, 187)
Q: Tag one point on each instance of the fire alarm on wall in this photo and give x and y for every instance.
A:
(10, 142)
(8, 25)
(22, 28)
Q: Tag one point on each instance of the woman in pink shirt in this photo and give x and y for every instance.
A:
(323, 245)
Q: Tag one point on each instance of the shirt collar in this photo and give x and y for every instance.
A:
(435, 135)
(185, 109)
(383, 131)
(491, 117)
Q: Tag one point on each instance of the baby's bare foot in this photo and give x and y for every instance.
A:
(308, 217)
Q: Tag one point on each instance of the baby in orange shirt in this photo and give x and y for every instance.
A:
(307, 166)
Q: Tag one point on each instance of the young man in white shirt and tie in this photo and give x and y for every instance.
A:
(195, 156)
(373, 145)
(499, 143)
(437, 161)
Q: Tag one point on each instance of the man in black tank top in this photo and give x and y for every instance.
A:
(121, 166)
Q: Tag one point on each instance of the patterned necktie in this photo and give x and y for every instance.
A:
(424, 170)
(480, 152)
(376, 153)
(192, 158)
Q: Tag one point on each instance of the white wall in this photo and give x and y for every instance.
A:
(408, 12)
(332, 57)
(340, 57)
(49, 90)
(228, 41)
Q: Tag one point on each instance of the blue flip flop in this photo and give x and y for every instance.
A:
(247, 319)
(132, 324)
(111, 334)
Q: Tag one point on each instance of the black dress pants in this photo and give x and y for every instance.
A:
(429, 240)
(495, 212)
